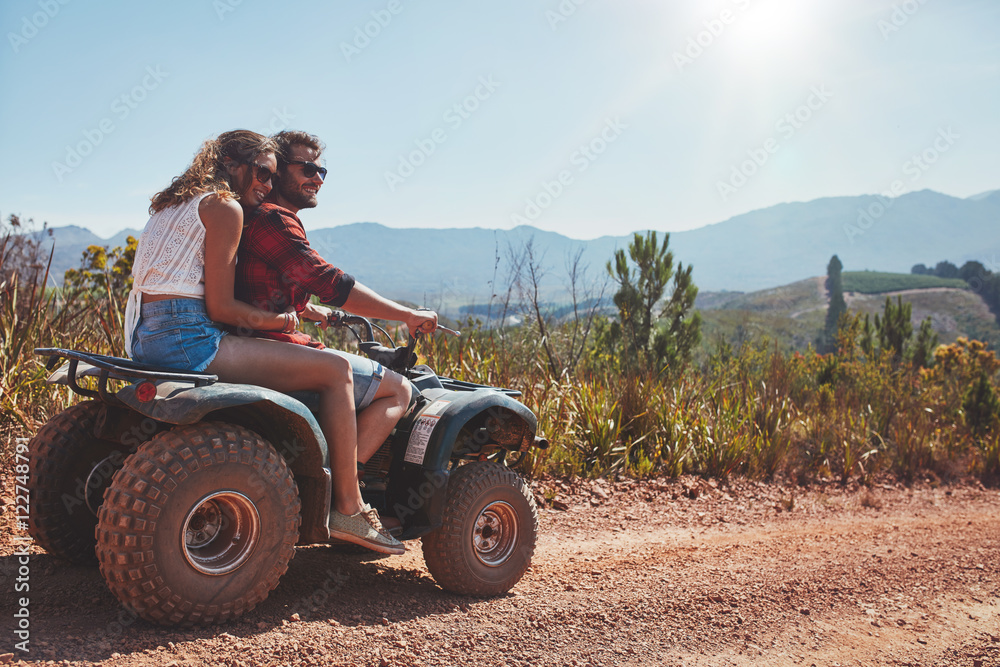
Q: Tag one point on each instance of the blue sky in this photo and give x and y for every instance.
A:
(585, 117)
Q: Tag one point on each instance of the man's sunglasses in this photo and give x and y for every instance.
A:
(310, 169)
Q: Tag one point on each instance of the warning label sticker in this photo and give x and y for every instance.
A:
(436, 408)
(416, 447)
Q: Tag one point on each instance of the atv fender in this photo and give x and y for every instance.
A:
(284, 421)
(449, 422)
(270, 413)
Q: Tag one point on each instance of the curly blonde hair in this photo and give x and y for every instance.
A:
(208, 172)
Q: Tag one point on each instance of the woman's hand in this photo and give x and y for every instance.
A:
(317, 313)
(291, 321)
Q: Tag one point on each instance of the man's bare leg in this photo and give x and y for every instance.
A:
(376, 421)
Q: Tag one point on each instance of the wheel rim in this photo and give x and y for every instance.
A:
(495, 534)
(220, 532)
(98, 481)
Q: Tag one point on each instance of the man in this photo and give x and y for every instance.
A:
(279, 271)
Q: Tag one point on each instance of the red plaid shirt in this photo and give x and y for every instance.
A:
(277, 268)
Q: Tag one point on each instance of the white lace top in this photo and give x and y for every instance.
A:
(169, 259)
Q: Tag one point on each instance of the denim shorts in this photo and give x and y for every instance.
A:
(368, 376)
(177, 334)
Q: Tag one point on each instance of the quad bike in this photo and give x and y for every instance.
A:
(193, 493)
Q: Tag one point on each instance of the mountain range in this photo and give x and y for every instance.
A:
(445, 268)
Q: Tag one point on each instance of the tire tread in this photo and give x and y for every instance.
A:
(128, 519)
(468, 484)
(50, 454)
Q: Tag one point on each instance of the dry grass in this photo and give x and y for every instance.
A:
(751, 410)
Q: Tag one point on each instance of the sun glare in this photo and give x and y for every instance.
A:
(773, 29)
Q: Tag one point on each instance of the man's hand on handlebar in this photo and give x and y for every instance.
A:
(422, 321)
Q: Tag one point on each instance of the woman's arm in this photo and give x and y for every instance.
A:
(223, 219)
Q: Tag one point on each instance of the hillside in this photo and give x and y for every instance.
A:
(448, 268)
(793, 314)
(877, 282)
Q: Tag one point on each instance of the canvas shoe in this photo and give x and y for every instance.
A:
(364, 529)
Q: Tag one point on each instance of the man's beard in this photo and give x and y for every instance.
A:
(296, 198)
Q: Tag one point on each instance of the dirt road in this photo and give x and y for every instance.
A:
(628, 574)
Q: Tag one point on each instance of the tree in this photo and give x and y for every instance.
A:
(894, 327)
(946, 269)
(646, 331)
(972, 271)
(836, 307)
(922, 352)
(920, 270)
(893, 332)
(981, 406)
(563, 331)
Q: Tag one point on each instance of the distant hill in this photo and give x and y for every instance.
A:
(794, 314)
(983, 195)
(760, 249)
(70, 243)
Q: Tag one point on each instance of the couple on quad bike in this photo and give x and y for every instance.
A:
(223, 274)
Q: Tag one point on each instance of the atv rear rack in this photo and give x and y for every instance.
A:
(114, 368)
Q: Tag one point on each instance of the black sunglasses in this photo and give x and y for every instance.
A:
(310, 169)
(262, 174)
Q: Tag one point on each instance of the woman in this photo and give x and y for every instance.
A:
(183, 278)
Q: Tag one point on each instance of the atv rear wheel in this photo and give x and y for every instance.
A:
(69, 469)
(199, 525)
(487, 538)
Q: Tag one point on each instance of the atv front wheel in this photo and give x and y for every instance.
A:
(69, 469)
(487, 538)
(199, 525)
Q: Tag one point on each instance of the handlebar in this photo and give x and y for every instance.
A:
(399, 358)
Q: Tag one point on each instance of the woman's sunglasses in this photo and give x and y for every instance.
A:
(310, 169)
(262, 174)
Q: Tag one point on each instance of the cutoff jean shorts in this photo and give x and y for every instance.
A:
(178, 334)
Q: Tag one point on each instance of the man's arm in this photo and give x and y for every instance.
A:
(281, 242)
(367, 303)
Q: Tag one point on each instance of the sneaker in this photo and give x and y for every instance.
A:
(391, 525)
(364, 529)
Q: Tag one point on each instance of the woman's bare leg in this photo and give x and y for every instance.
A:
(290, 367)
